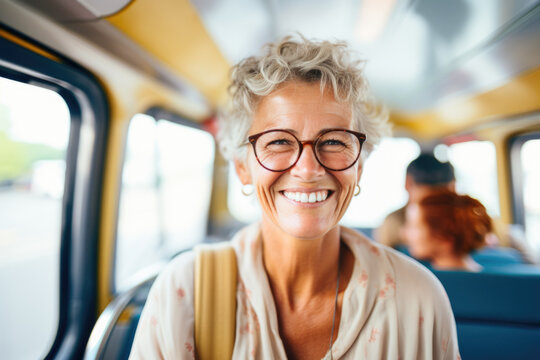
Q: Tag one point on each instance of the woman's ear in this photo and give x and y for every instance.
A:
(242, 171)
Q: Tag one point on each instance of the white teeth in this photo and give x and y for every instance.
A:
(307, 197)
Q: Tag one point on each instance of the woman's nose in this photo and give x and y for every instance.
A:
(307, 165)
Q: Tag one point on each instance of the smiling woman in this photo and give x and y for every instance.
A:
(307, 287)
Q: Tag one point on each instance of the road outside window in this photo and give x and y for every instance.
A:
(34, 132)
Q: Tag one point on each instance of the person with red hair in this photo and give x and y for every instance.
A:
(445, 228)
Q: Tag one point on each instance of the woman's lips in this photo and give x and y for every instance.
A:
(307, 197)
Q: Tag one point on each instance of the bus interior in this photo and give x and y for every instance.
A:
(109, 165)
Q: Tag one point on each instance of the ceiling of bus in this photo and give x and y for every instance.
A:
(425, 59)
(417, 52)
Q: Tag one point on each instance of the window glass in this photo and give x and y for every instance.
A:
(475, 166)
(530, 167)
(34, 132)
(165, 195)
(382, 184)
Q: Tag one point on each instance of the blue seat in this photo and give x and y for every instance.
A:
(497, 313)
(489, 258)
(497, 256)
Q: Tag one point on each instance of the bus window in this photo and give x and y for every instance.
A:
(383, 183)
(475, 166)
(165, 194)
(530, 175)
(34, 134)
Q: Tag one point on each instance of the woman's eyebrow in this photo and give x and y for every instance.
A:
(317, 134)
(333, 128)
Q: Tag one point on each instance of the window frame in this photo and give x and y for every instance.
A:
(81, 201)
(514, 154)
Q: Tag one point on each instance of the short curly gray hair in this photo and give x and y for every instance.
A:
(298, 59)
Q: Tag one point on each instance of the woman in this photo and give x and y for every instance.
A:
(300, 125)
(445, 228)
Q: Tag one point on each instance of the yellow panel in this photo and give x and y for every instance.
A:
(504, 181)
(519, 96)
(172, 31)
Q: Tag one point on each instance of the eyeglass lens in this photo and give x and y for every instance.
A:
(336, 150)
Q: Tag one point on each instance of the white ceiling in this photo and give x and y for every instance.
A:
(427, 51)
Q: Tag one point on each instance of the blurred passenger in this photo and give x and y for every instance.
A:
(445, 228)
(425, 176)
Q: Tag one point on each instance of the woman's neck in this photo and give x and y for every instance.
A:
(298, 269)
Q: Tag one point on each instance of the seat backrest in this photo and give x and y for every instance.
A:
(497, 313)
(497, 256)
(489, 258)
(113, 333)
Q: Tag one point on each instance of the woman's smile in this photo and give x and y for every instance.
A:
(305, 197)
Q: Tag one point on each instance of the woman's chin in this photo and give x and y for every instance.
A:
(303, 228)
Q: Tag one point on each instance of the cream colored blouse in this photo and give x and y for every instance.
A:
(393, 308)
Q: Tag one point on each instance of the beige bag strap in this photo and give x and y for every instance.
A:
(215, 301)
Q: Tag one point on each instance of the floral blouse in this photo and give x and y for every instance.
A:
(393, 308)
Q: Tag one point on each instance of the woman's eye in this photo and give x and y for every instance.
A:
(333, 142)
(279, 142)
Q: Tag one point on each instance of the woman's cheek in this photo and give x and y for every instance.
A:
(265, 198)
(346, 196)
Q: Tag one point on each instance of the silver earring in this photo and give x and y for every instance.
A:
(247, 189)
(357, 190)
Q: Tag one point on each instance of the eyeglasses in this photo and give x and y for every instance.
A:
(335, 149)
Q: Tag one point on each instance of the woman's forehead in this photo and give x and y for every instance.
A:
(303, 93)
(299, 102)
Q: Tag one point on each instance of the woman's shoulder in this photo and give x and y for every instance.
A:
(409, 273)
(412, 273)
(180, 263)
(182, 267)
(165, 329)
(178, 272)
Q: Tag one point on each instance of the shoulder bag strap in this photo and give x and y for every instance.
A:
(215, 301)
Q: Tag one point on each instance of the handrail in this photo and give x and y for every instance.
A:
(106, 321)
